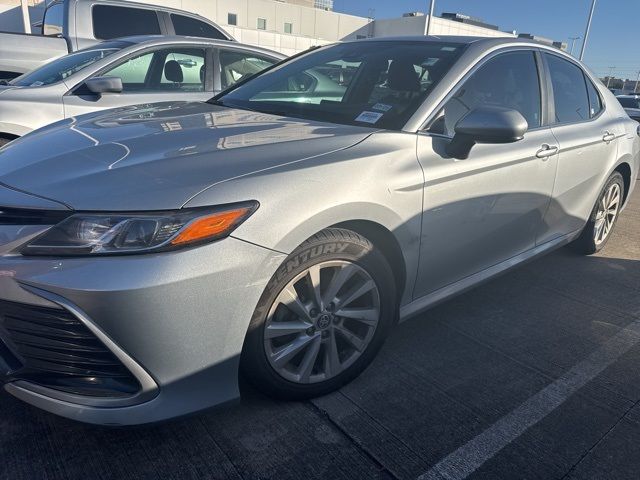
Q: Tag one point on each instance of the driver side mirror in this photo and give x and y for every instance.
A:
(102, 85)
(486, 124)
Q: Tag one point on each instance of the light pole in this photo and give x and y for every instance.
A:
(609, 77)
(431, 7)
(25, 16)
(573, 43)
(586, 32)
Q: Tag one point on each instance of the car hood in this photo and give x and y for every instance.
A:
(158, 156)
(7, 88)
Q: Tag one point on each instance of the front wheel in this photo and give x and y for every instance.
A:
(603, 218)
(322, 318)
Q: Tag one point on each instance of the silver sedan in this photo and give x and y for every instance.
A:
(151, 255)
(128, 71)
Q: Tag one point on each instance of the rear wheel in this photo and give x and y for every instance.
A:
(322, 318)
(603, 218)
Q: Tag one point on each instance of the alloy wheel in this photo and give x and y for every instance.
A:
(321, 322)
(608, 210)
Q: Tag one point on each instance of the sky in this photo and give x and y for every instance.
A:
(614, 40)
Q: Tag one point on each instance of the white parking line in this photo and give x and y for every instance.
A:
(468, 458)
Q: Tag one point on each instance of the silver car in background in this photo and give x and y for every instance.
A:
(122, 72)
(150, 255)
(631, 105)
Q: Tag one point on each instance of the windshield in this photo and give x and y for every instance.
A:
(374, 83)
(66, 66)
(628, 102)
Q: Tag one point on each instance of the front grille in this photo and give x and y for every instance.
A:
(24, 216)
(52, 348)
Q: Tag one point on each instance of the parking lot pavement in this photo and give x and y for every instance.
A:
(533, 375)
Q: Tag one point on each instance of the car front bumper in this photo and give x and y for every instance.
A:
(176, 321)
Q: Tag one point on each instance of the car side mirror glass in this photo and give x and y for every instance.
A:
(102, 85)
(487, 124)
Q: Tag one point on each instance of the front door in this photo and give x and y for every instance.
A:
(488, 208)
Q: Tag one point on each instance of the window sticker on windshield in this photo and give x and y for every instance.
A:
(369, 117)
(383, 107)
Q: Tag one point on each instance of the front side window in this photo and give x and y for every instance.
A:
(63, 67)
(52, 24)
(378, 84)
(509, 80)
(236, 66)
(113, 22)
(167, 70)
(570, 95)
(195, 28)
(262, 24)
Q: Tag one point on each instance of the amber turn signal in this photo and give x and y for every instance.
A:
(211, 226)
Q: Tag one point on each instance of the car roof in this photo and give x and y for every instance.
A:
(462, 40)
(159, 40)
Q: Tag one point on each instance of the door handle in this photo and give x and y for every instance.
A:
(547, 151)
(608, 137)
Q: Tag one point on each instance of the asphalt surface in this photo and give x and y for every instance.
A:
(533, 375)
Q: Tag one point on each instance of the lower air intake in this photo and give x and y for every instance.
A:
(52, 348)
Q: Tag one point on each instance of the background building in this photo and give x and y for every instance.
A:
(290, 26)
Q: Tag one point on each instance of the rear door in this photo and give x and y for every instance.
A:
(173, 73)
(587, 136)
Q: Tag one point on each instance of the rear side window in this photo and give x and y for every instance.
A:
(569, 91)
(113, 22)
(195, 28)
(237, 65)
(595, 102)
(627, 102)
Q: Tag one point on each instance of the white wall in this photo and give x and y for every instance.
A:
(440, 26)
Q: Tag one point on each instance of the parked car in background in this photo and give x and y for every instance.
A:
(631, 104)
(125, 72)
(152, 254)
(71, 25)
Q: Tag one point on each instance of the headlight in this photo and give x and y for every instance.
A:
(126, 233)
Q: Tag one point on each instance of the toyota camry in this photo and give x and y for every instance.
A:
(150, 256)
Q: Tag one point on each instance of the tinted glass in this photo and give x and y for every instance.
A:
(509, 80)
(595, 102)
(195, 28)
(113, 22)
(63, 67)
(629, 102)
(232, 19)
(167, 70)
(53, 20)
(236, 66)
(569, 90)
(377, 83)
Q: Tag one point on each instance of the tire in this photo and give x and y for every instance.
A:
(346, 346)
(594, 238)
